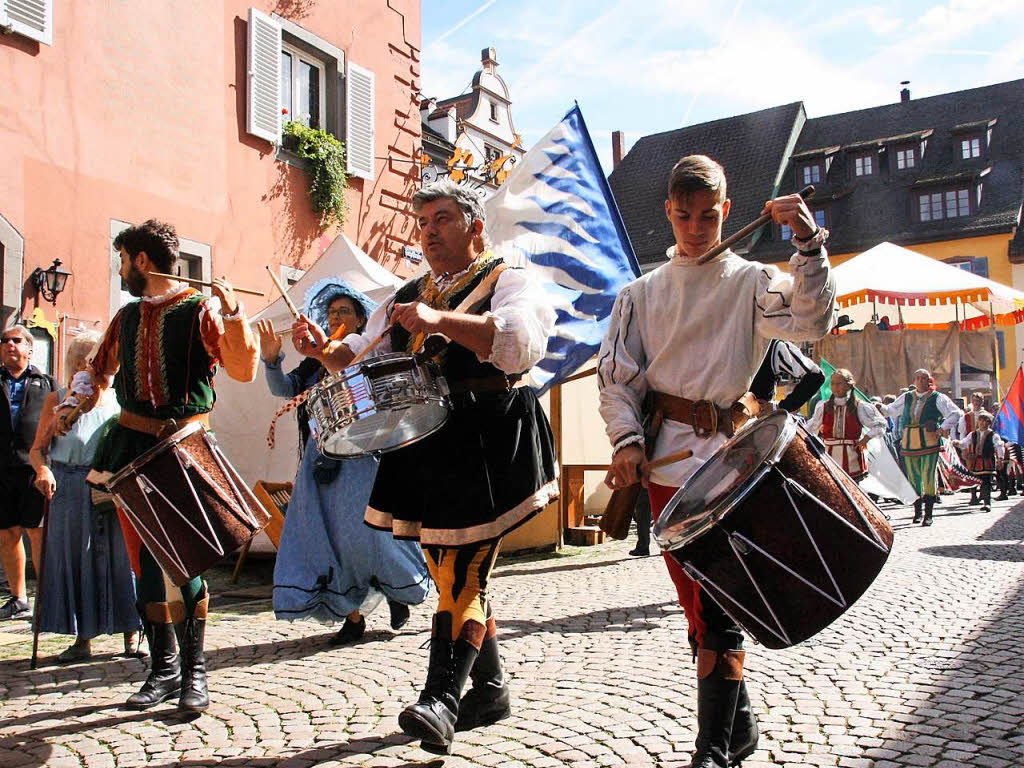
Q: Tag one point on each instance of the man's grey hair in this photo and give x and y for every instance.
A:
(925, 371)
(468, 200)
(23, 331)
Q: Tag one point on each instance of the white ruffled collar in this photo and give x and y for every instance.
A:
(682, 260)
(170, 293)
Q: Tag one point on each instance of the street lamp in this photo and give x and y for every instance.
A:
(50, 282)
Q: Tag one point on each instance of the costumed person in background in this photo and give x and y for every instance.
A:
(721, 313)
(330, 565)
(982, 449)
(784, 358)
(966, 425)
(88, 588)
(926, 416)
(489, 469)
(160, 354)
(846, 424)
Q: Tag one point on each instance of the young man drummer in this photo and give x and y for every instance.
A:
(160, 354)
(490, 468)
(683, 345)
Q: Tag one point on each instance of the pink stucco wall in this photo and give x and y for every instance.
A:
(137, 110)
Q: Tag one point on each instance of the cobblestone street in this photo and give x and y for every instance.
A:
(925, 670)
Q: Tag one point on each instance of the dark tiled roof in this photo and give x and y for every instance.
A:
(751, 147)
(464, 106)
(862, 211)
(883, 206)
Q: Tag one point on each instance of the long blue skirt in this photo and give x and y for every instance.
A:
(88, 586)
(330, 563)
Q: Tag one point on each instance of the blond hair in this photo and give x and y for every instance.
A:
(78, 350)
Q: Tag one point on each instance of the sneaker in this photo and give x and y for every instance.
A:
(399, 614)
(15, 609)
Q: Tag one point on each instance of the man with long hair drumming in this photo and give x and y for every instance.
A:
(687, 339)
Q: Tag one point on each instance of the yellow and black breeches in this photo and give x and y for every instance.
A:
(461, 575)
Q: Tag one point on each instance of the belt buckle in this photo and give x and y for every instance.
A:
(705, 419)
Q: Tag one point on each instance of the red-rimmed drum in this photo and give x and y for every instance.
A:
(188, 504)
(776, 533)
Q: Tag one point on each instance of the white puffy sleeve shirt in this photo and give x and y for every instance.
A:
(523, 318)
(700, 332)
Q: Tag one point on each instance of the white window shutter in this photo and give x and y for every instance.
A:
(359, 121)
(263, 93)
(31, 18)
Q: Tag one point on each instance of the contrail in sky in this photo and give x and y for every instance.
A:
(461, 23)
(725, 36)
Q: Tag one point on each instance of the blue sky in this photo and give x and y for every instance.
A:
(645, 66)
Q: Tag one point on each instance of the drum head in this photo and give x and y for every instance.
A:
(385, 430)
(723, 480)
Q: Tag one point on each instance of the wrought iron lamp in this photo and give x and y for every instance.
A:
(50, 282)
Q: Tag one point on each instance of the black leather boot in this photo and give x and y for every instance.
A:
(917, 511)
(432, 718)
(164, 681)
(974, 497)
(487, 701)
(718, 686)
(744, 729)
(929, 502)
(191, 635)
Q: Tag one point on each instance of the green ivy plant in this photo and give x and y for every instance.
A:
(325, 159)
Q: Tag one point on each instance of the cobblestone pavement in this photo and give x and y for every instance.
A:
(925, 670)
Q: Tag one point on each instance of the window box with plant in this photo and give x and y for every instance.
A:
(324, 158)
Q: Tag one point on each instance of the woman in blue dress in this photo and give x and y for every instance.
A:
(88, 588)
(330, 564)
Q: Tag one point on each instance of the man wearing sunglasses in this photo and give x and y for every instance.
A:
(24, 388)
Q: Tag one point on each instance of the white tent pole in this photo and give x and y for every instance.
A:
(955, 377)
(995, 350)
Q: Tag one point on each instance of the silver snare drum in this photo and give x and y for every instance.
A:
(377, 406)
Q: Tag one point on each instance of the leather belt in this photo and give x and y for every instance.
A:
(159, 427)
(704, 416)
(489, 384)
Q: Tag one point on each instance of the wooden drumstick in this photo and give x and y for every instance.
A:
(287, 299)
(619, 511)
(193, 281)
(370, 347)
(748, 230)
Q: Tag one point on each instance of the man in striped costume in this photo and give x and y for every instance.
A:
(927, 416)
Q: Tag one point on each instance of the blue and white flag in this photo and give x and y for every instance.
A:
(556, 216)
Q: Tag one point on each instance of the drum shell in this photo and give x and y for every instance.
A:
(840, 552)
(201, 509)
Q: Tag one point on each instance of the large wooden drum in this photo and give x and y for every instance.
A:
(776, 532)
(188, 504)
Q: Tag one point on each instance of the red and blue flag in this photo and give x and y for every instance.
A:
(1010, 419)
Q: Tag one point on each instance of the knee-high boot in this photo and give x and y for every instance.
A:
(432, 718)
(929, 502)
(487, 701)
(719, 674)
(164, 680)
(917, 511)
(744, 729)
(191, 636)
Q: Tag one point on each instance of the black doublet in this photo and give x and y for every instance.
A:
(489, 469)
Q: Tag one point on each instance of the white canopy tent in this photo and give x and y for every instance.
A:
(924, 294)
(244, 411)
(927, 294)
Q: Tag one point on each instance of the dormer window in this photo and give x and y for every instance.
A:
(945, 204)
(905, 158)
(812, 173)
(971, 146)
(864, 165)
